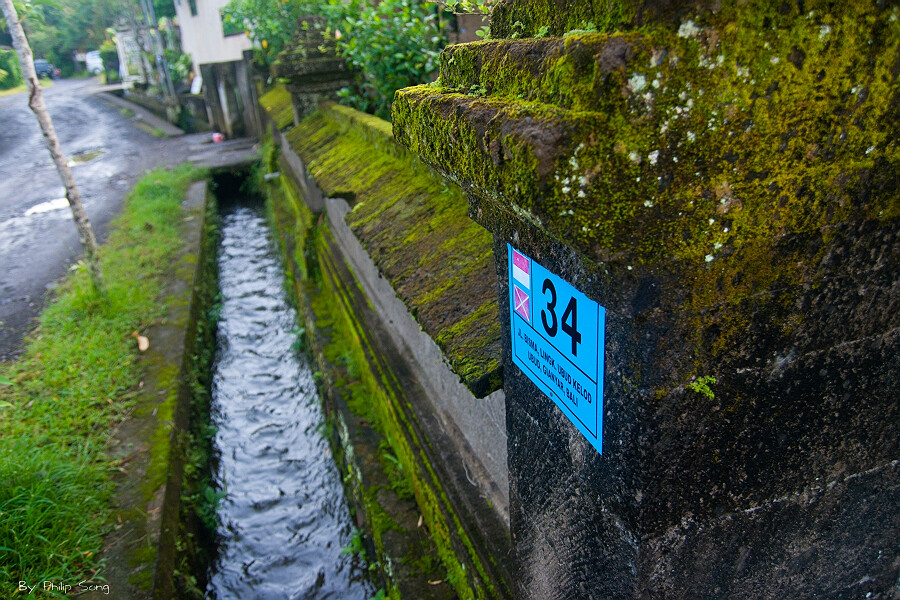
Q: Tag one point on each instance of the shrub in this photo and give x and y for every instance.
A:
(10, 70)
(392, 45)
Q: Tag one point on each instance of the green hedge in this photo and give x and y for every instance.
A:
(10, 71)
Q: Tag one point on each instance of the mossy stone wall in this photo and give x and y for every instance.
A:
(415, 534)
(416, 229)
(723, 178)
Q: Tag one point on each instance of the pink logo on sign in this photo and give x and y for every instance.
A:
(521, 303)
(520, 261)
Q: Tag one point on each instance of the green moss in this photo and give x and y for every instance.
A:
(695, 146)
(415, 226)
(528, 18)
(277, 104)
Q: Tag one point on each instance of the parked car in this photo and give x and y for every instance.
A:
(93, 62)
(45, 69)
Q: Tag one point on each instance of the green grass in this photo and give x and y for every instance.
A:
(45, 83)
(71, 388)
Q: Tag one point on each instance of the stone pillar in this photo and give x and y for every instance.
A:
(723, 182)
(312, 69)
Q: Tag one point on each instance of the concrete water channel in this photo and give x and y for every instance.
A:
(284, 521)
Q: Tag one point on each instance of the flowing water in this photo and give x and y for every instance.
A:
(284, 518)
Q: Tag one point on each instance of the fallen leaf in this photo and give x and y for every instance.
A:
(143, 342)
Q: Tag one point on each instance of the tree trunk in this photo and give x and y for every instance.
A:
(36, 104)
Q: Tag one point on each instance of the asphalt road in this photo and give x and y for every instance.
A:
(108, 153)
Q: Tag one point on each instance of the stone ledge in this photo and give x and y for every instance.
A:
(277, 105)
(682, 142)
(414, 226)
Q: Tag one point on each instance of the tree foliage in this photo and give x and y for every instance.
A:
(58, 28)
(391, 44)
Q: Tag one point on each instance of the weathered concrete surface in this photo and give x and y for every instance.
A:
(477, 427)
(140, 444)
(460, 439)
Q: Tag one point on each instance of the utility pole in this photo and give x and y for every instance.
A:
(37, 106)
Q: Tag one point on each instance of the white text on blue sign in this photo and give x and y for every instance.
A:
(558, 342)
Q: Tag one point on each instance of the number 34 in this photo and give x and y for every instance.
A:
(569, 323)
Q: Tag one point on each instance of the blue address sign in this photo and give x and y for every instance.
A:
(558, 342)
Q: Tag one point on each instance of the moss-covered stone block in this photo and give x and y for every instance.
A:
(415, 227)
(277, 104)
(723, 178)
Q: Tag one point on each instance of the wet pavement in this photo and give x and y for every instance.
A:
(108, 152)
(284, 518)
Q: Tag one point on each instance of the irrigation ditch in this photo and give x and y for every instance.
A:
(282, 479)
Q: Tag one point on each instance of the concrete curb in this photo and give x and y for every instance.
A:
(142, 114)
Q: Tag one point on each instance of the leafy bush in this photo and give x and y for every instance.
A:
(10, 70)
(392, 45)
(109, 54)
(269, 23)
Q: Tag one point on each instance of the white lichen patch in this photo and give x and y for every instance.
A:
(637, 82)
(688, 29)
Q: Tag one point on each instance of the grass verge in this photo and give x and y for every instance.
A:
(72, 387)
(45, 83)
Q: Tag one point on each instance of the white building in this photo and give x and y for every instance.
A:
(217, 56)
(204, 37)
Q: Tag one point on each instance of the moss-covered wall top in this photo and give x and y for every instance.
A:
(277, 104)
(694, 142)
(415, 227)
(529, 18)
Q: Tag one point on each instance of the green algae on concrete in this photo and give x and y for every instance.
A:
(277, 104)
(415, 227)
